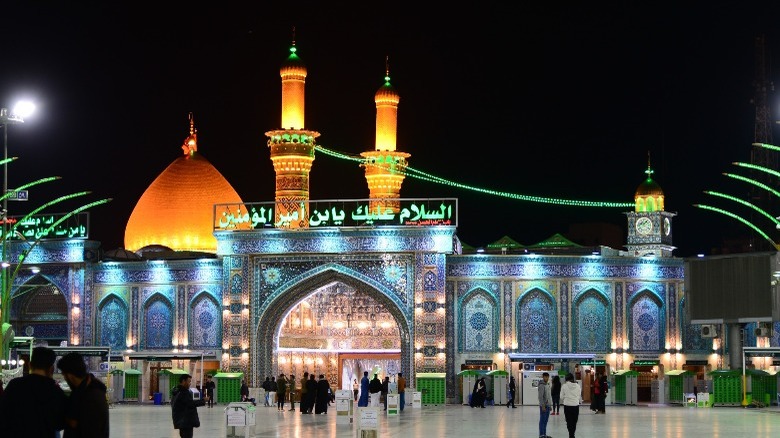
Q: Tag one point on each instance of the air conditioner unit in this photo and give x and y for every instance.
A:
(709, 331)
(763, 332)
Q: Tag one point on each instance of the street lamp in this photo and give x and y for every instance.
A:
(17, 115)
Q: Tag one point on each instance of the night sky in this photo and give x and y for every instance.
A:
(543, 101)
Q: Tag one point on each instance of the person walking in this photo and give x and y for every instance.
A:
(281, 392)
(291, 389)
(401, 391)
(267, 387)
(571, 397)
(512, 388)
(86, 413)
(556, 395)
(34, 405)
(385, 389)
(363, 401)
(209, 387)
(184, 409)
(355, 389)
(545, 404)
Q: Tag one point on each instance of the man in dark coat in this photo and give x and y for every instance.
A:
(209, 387)
(184, 408)
(323, 395)
(86, 413)
(374, 389)
(311, 393)
(34, 405)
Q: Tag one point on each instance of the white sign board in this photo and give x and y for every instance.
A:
(416, 399)
(392, 404)
(368, 422)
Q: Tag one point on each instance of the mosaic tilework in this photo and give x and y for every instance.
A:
(113, 323)
(294, 278)
(593, 322)
(563, 267)
(774, 341)
(342, 241)
(205, 318)
(478, 319)
(565, 318)
(537, 326)
(466, 290)
(506, 317)
(646, 325)
(157, 323)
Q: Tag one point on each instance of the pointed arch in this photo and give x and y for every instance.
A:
(273, 311)
(478, 321)
(592, 322)
(39, 308)
(205, 321)
(537, 328)
(157, 322)
(113, 322)
(646, 322)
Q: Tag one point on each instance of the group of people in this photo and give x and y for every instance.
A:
(478, 394)
(599, 391)
(373, 392)
(35, 405)
(315, 393)
(569, 394)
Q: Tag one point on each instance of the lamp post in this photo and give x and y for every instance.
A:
(17, 115)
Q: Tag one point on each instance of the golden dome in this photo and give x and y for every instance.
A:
(293, 66)
(649, 196)
(177, 209)
(387, 94)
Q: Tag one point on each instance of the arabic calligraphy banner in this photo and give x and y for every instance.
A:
(41, 227)
(338, 213)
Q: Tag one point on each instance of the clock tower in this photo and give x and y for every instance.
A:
(649, 226)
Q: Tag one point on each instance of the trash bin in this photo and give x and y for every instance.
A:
(158, 398)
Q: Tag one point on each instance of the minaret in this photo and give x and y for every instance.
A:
(649, 226)
(292, 148)
(385, 167)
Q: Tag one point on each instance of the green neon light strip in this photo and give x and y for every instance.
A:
(759, 168)
(734, 216)
(414, 173)
(754, 182)
(745, 203)
(767, 146)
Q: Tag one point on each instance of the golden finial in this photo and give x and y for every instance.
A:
(190, 145)
(649, 171)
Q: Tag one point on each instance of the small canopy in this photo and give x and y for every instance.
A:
(505, 242)
(626, 373)
(497, 373)
(128, 371)
(678, 373)
(555, 241)
(176, 371)
(725, 373)
(468, 373)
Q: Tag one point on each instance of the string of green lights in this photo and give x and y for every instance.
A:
(424, 176)
(745, 203)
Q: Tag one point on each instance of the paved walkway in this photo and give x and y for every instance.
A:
(150, 421)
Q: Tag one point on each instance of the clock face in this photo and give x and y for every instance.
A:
(667, 226)
(644, 226)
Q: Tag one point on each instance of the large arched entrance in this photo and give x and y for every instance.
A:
(332, 324)
(39, 309)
